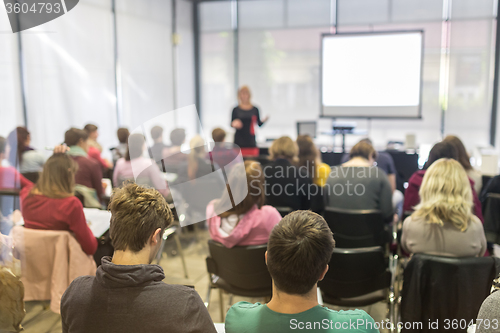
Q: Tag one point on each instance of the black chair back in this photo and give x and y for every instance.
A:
(492, 218)
(241, 267)
(354, 273)
(443, 288)
(32, 176)
(283, 210)
(356, 228)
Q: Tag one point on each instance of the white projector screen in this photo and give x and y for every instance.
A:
(372, 75)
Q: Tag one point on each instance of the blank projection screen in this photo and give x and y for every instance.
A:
(372, 75)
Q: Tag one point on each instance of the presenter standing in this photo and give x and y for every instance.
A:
(244, 118)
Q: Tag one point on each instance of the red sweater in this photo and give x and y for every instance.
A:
(41, 212)
(412, 197)
(89, 174)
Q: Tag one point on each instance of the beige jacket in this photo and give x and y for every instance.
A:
(50, 261)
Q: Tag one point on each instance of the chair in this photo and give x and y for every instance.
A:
(284, 210)
(50, 261)
(240, 270)
(492, 218)
(32, 176)
(358, 277)
(172, 231)
(445, 289)
(354, 228)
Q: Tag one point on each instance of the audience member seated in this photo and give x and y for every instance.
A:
(443, 223)
(488, 318)
(22, 156)
(287, 185)
(298, 253)
(157, 149)
(120, 150)
(89, 172)
(310, 159)
(196, 165)
(464, 159)
(127, 294)
(51, 204)
(383, 161)
(94, 148)
(134, 166)
(358, 184)
(9, 177)
(172, 156)
(443, 149)
(223, 153)
(249, 222)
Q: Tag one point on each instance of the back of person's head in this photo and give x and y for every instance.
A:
(308, 154)
(90, 128)
(57, 179)
(463, 157)
(197, 146)
(283, 147)
(122, 133)
(177, 136)
(367, 140)
(3, 145)
(363, 149)
(445, 195)
(443, 149)
(18, 143)
(74, 136)
(218, 135)
(136, 213)
(299, 249)
(135, 147)
(156, 132)
(242, 177)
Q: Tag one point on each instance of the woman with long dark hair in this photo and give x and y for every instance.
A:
(22, 156)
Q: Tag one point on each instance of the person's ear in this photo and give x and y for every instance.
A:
(322, 276)
(265, 256)
(154, 238)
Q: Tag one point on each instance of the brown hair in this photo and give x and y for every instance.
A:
(299, 248)
(363, 149)
(3, 144)
(283, 147)
(122, 134)
(309, 156)
(136, 212)
(74, 135)
(156, 132)
(18, 145)
(57, 179)
(218, 134)
(252, 178)
(90, 128)
(463, 157)
(443, 149)
(135, 146)
(177, 136)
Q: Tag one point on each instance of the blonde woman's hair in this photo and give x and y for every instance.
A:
(284, 147)
(244, 88)
(197, 152)
(445, 195)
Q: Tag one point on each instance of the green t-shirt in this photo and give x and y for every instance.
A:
(244, 317)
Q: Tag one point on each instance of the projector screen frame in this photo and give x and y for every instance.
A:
(381, 32)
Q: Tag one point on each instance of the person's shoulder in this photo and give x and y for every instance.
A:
(476, 224)
(78, 286)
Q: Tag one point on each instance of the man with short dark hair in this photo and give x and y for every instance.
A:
(127, 294)
(297, 257)
(89, 172)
